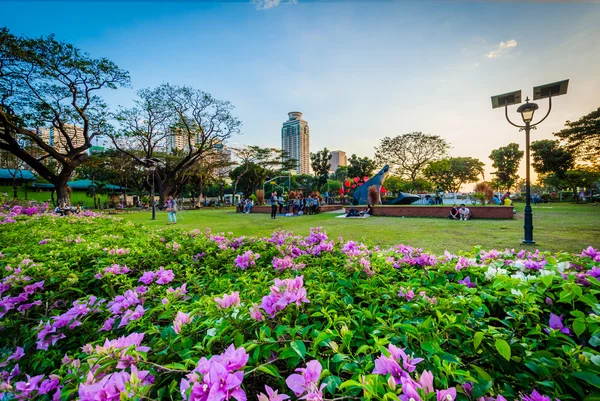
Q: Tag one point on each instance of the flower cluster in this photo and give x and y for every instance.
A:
(246, 260)
(180, 320)
(122, 306)
(115, 386)
(218, 378)
(161, 276)
(306, 383)
(115, 269)
(228, 300)
(53, 330)
(287, 262)
(283, 293)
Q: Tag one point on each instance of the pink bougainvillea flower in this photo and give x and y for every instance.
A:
(228, 300)
(307, 381)
(446, 395)
(180, 320)
(467, 281)
(556, 323)
(272, 395)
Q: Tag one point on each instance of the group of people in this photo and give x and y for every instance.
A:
(244, 205)
(297, 205)
(460, 213)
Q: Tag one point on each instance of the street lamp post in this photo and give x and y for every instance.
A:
(527, 111)
(152, 170)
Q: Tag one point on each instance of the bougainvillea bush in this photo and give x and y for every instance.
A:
(95, 308)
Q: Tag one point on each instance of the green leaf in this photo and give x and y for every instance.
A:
(350, 383)
(482, 373)
(579, 326)
(333, 383)
(270, 370)
(588, 377)
(299, 347)
(503, 348)
(477, 339)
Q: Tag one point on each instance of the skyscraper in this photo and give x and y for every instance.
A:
(338, 158)
(295, 141)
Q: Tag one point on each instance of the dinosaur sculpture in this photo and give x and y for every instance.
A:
(361, 195)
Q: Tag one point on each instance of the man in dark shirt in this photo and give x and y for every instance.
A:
(273, 204)
(454, 213)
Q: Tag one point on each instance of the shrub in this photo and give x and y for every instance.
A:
(96, 306)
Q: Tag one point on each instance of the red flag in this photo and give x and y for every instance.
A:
(383, 190)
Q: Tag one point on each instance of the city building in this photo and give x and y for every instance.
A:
(177, 142)
(338, 158)
(58, 141)
(295, 141)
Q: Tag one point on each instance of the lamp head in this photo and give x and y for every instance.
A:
(527, 110)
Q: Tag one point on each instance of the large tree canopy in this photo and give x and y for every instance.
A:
(321, 163)
(49, 97)
(550, 158)
(409, 154)
(582, 136)
(506, 161)
(176, 124)
(360, 167)
(451, 173)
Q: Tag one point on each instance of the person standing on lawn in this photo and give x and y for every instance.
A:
(172, 209)
(274, 205)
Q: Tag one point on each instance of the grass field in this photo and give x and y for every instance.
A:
(557, 227)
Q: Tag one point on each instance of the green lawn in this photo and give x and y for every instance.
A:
(557, 227)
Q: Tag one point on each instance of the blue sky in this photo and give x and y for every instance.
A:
(358, 70)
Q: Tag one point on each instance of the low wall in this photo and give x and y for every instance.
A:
(267, 208)
(479, 212)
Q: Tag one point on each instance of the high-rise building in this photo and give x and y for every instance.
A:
(177, 142)
(338, 158)
(57, 140)
(295, 141)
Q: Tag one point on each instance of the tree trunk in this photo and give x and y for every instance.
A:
(63, 192)
(15, 191)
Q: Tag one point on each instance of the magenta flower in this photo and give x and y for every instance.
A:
(307, 382)
(180, 320)
(409, 389)
(246, 260)
(446, 395)
(556, 323)
(284, 293)
(391, 365)
(43, 242)
(426, 381)
(467, 281)
(256, 314)
(147, 277)
(15, 356)
(218, 378)
(535, 396)
(164, 276)
(228, 300)
(272, 395)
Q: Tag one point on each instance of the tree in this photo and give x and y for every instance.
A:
(409, 154)
(193, 121)
(450, 174)
(582, 136)
(321, 163)
(550, 159)
(50, 88)
(341, 173)
(270, 158)
(360, 167)
(506, 162)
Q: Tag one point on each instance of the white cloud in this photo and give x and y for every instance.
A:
(502, 48)
(266, 4)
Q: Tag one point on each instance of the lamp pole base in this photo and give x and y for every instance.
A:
(527, 242)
